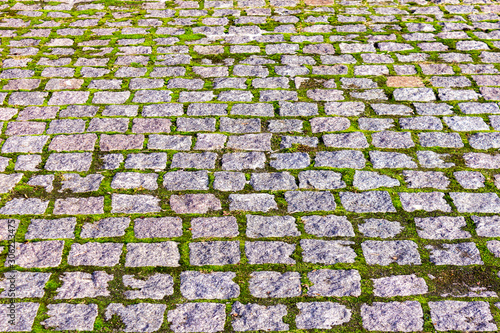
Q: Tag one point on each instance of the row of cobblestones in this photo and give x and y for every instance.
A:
(250, 165)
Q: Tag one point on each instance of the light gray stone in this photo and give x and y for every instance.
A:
(155, 161)
(165, 254)
(229, 181)
(487, 226)
(271, 226)
(328, 226)
(334, 283)
(25, 316)
(282, 161)
(275, 181)
(7, 182)
(83, 285)
(95, 254)
(403, 252)
(21, 206)
(425, 179)
(107, 227)
(269, 252)
(462, 316)
(140, 317)
(391, 160)
(327, 252)
(268, 284)
(50, 229)
(194, 203)
(321, 180)
(351, 159)
(76, 183)
(309, 201)
(134, 203)
(441, 227)
(380, 228)
(215, 285)
(214, 253)
(158, 227)
(476, 202)
(208, 227)
(38, 254)
(461, 254)
(197, 317)
(393, 316)
(17, 284)
(426, 201)
(369, 180)
(367, 202)
(321, 315)
(253, 317)
(156, 286)
(255, 202)
(399, 285)
(64, 316)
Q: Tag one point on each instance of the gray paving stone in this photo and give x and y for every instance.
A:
(269, 252)
(24, 144)
(442, 227)
(321, 179)
(308, 201)
(321, 315)
(38, 254)
(156, 286)
(487, 226)
(425, 179)
(158, 227)
(64, 316)
(393, 316)
(17, 284)
(476, 202)
(328, 226)
(214, 253)
(194, 160)
(257, 202)
(229, 181)
(194, 203)
(271, 226)
(384, 253)
(68, 162)
(135, 203)
(461, 254)
(155, 161)
(421, 123)
(462, 316)
(276, 181)
(426, 201)
(399, 285)
(95, 254)
(8, 182)
(79, 206)
(21, 206)
(269, 284)
(78, 184)
(208, 227)
(83, 285)
(367, 180)
(128, 180)
(250, 317)
(215, 285)
(140, 317)
(152, 254)
(197, 317)
(494, 247)
(374, 201)
(25, 312)
(107, 227)
(352, 159)
(334, 283)
(391, 160)
(50, 229)
(380, 228)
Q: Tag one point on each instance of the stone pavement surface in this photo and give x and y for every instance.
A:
(250, 165)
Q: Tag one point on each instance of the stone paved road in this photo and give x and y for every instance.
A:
(250, 165)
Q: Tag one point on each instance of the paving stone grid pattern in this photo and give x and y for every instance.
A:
(250, 165)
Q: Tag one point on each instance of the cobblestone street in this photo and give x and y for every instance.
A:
(250, 165)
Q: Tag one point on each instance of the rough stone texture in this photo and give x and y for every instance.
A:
(328, 226)
(427, 201)
(462, 316)
(194, 203)
(83, 285)
(380, 228)
(95, 254)
(27, 284)
(383, 253)
(334, 283)
(214, 253)
(38, 254)
(208, 227)
(487, 226)
(140, 317)
(155, 286)
(197, 317)
(158, 227)
(267, 284)
(399, 285)
(108, 227)
(269, 252)
(152, 254)
(63, 316)
(372, 202)
(48, 229)
(253, 317)
(442, 227)
(321, 315)
(460, 254)
(257, 202)
(216, 285)
(271, 226)
(327, 252)
(393, 317)
(25, 313)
